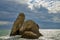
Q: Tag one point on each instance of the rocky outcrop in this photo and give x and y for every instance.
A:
(28, 29)
(17, 24)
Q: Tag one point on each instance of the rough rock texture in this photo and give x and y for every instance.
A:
(29, 35)
(30, 26)
(17, 24)
(28, 29)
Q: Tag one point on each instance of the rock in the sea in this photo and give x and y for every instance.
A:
(17, 24)
(32, 30)
(28, 29)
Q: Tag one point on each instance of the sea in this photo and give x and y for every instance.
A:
(48, 34)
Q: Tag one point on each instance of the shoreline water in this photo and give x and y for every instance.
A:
(48, 34)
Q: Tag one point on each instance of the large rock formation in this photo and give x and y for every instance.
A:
(17, 24)
(30, 30)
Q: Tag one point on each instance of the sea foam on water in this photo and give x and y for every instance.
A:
(48, 34)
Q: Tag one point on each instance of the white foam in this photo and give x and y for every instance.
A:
(48, 34)
(4, 37)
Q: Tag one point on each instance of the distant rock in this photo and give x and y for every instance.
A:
(30, 29)
(17, 24)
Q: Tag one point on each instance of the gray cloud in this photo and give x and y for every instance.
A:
(9, 10)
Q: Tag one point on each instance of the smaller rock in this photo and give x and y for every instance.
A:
(30, 30)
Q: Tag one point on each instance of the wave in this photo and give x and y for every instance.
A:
(18, 38)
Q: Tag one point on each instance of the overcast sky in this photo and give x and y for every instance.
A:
(46, 13)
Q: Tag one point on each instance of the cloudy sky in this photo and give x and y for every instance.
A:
(46, 13)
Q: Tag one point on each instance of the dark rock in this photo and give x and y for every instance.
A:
(30, 26)
(17, 24)
(29, 35)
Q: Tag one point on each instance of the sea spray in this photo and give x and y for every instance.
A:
(48, 34)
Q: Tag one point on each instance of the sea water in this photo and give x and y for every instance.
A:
(48, 34)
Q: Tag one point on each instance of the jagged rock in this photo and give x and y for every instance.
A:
(17, 24)
(32, 30)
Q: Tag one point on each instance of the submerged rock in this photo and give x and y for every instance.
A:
(17, 24)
